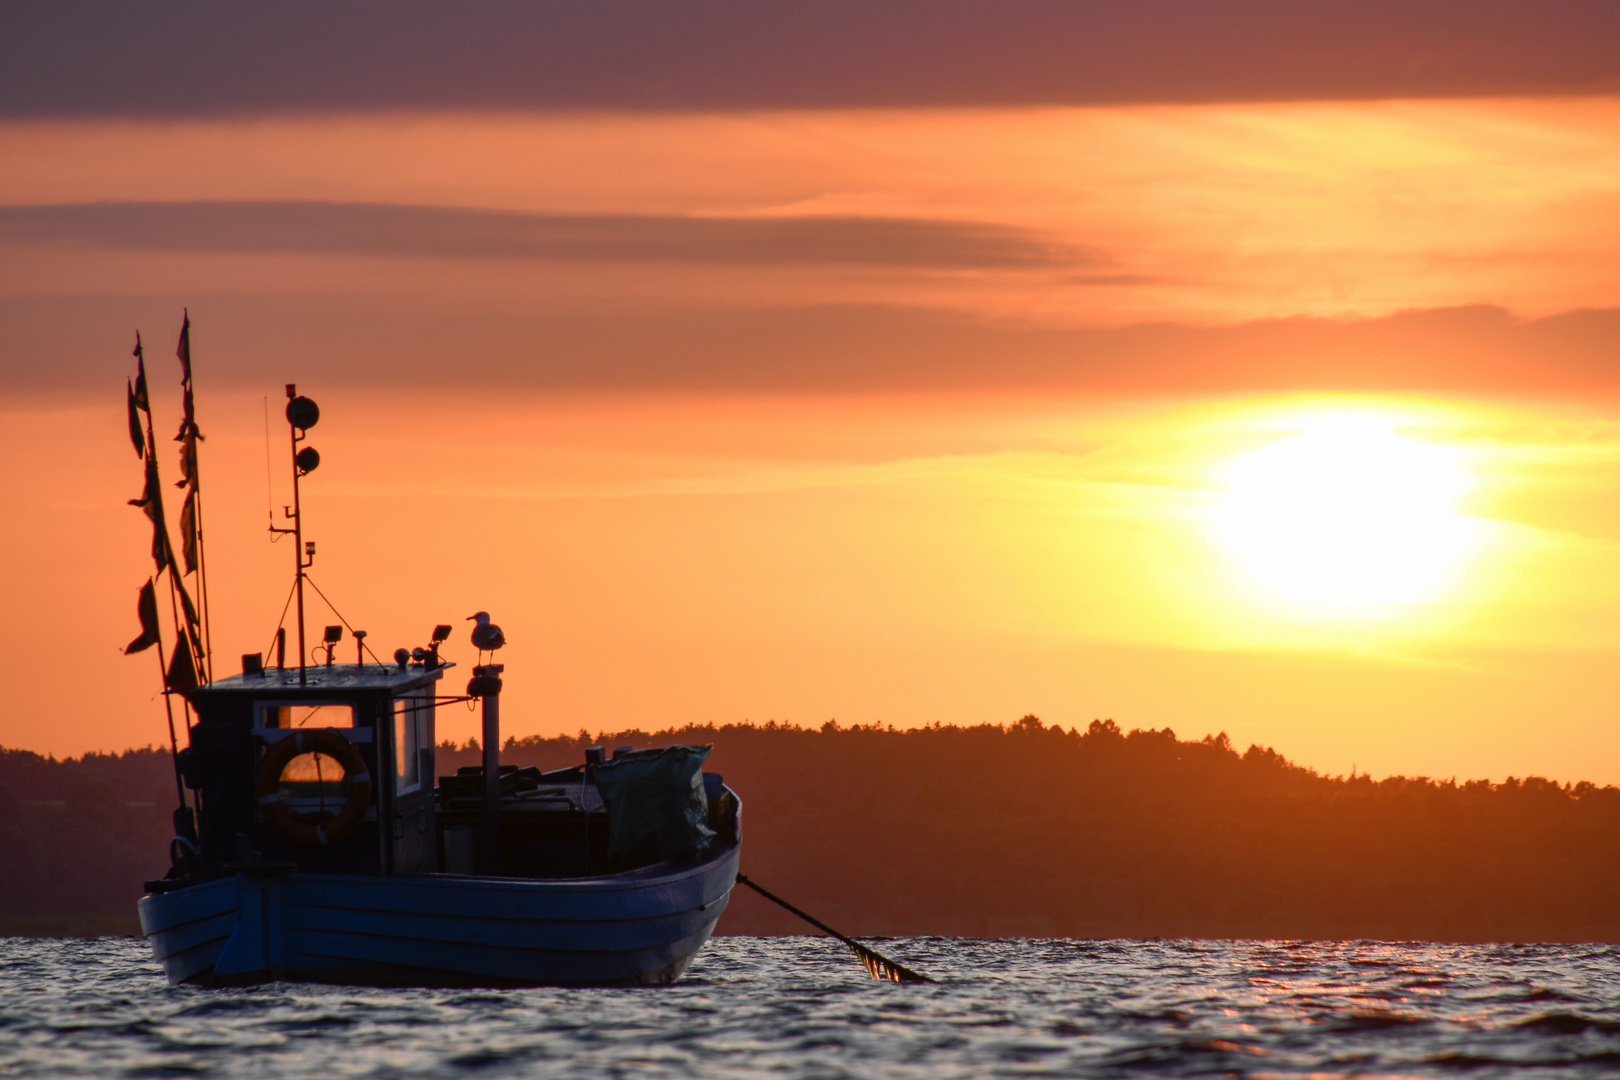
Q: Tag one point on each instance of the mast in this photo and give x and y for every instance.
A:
(298, 537)
(302, 414)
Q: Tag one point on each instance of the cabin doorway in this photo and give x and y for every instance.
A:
(414, 831)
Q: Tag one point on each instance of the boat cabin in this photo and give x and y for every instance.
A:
(250, 722)
(334, 772)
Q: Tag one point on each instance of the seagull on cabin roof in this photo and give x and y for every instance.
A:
(486, 635)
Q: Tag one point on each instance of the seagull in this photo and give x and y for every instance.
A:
(486, 635)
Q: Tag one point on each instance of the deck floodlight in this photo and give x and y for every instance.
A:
(302, 413)
(402, 657)
(307, 460)
(334, 634)
(441, 632)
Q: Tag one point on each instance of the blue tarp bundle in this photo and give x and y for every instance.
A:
(655, 803)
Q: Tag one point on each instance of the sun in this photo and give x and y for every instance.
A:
(1346, 515)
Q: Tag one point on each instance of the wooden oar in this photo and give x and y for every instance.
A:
(877, 965)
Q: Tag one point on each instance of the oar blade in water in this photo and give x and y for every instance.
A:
(881, 967)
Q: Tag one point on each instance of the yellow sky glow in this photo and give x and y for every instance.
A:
(659, 562)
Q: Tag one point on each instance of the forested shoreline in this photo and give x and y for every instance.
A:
(1023, 830)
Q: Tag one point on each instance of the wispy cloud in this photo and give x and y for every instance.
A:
(809, 349)
(455, 232)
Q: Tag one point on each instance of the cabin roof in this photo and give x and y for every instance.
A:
(324, 681)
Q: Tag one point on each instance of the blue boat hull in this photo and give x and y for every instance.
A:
(637, 928)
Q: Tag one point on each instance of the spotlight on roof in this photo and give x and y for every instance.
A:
(441, 632)
(334, 634)
(402, 657)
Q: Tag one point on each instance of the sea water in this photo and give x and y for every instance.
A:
(802, 1007)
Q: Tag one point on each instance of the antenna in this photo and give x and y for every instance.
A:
(269, 493)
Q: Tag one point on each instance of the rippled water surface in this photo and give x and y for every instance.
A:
(801, 1007)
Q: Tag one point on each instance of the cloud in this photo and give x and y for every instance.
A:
(197, 58)
(81, 344)
(385, 230)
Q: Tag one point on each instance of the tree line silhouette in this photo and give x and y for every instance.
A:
(1024, 830)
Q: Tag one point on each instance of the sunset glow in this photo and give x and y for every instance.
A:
(1347, 517)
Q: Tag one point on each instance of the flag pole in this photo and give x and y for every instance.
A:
(168, 707)
(183, 351)
(202, 596)
(156, 491)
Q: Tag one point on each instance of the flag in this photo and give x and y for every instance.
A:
(146, 607)
(186, 608)
(183, 350)
(135, 434)
(182, 673)
(151, 501)
(141, 398)
(188, 436)
(188, 450)
(188, 531)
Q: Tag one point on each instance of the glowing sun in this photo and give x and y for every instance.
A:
(1346, 515)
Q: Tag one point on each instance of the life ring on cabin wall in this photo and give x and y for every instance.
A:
(291, 827)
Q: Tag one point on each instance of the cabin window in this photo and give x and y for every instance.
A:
(411, 725)
(306, 716)
(313, 783)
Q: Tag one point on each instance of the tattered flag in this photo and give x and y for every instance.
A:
(188, 531)
(182, 673)
(151, 501)
(188, 452)
(135, 435)
(188, 436)
(183, 350)
(142, 399)
(146, 607)
(186, 608)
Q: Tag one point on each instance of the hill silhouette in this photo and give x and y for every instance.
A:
(989, 831)
(77, 838)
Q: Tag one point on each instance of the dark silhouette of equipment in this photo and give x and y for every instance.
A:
(440, 632)
(329, 642)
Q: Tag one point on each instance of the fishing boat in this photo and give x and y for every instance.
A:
(315, 841)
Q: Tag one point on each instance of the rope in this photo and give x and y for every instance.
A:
(345, 622)
(281, 621)
(877, 965)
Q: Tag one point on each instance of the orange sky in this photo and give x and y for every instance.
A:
(885, 415)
